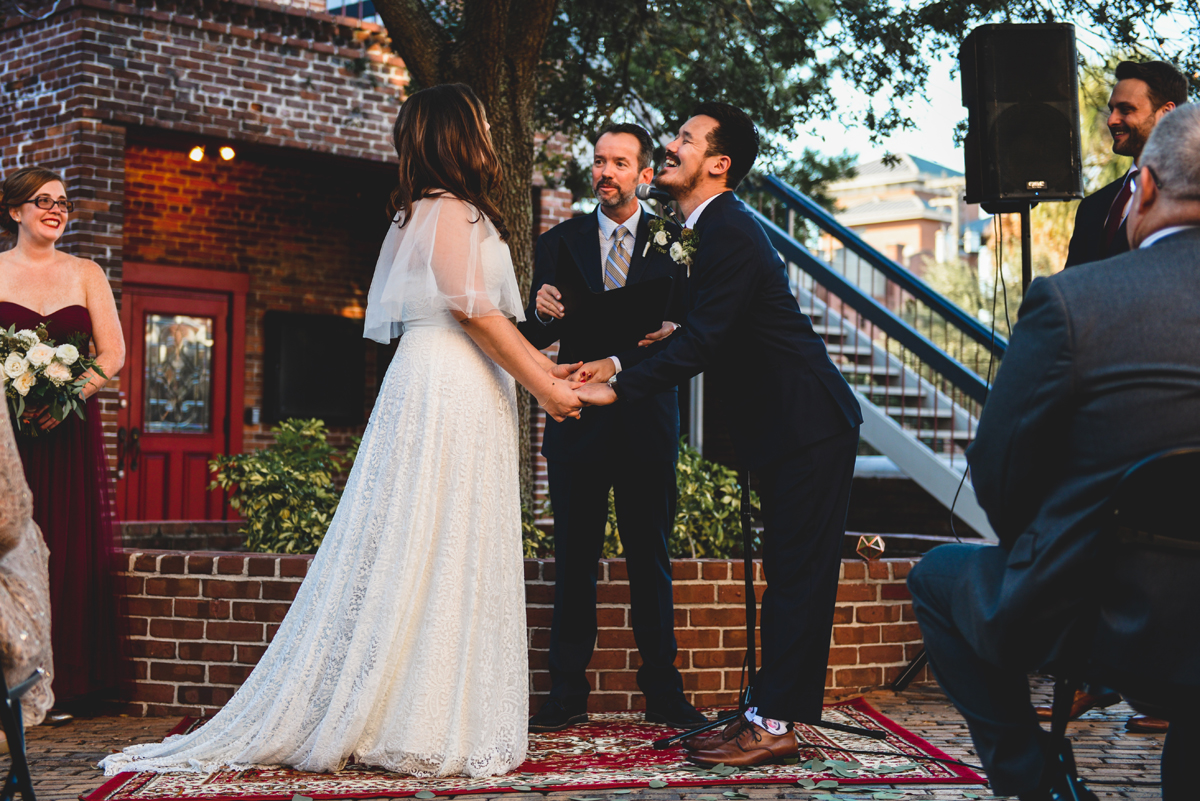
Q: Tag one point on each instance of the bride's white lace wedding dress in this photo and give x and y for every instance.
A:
(406, 645)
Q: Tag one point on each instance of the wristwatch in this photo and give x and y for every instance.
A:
(612, 383)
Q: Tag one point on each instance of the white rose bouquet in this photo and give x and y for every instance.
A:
(41, 373)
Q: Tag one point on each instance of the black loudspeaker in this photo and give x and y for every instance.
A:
(1020, 85)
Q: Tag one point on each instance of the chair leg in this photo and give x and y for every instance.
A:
(1064, 698)
(18, 778)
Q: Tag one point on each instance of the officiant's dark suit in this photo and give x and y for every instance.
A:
(1089, 239)
(794, 422)
(1103, 370)
(632, 449)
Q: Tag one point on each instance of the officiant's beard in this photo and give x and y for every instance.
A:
(616, 201)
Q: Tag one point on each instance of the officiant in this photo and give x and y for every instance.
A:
(630, 449)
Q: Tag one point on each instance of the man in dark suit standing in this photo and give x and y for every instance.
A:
(1144, 93)
(1103, 370)
(794, 422)
(631, 450)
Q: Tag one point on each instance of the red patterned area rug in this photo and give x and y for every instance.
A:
(612, 751)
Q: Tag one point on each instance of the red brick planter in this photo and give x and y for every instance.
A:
(200, 621)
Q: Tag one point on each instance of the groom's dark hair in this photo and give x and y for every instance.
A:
(735, 136)
(645, 143)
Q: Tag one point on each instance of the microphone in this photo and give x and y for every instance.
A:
(652, 192)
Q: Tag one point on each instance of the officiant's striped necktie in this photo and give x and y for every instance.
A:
(616, 266)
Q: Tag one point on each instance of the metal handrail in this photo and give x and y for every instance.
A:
(971, 384)
(920, 290)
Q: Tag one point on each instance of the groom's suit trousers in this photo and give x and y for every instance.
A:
(804, 500)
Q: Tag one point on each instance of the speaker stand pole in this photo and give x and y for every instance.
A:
(1026, 251)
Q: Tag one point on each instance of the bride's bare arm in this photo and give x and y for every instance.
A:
(503, 343)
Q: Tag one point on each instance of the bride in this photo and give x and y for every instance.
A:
(406, 645)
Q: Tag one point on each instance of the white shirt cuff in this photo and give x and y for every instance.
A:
(616, 362)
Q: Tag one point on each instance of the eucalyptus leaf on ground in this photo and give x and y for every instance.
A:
(425, 794)
(657, 785)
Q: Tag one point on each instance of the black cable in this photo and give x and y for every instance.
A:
(925, 757)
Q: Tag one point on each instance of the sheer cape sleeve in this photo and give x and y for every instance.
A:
(449, 258)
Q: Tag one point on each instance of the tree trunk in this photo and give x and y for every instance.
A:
(496, 53)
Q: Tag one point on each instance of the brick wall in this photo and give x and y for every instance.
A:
(76, 87)
(200, 621)
(306, 229)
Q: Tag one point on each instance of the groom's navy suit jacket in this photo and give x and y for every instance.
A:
(745, 330)
(646, 429)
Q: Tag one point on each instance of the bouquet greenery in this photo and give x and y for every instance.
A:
(43, 374)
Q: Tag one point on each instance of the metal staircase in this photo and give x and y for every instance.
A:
(919, 363)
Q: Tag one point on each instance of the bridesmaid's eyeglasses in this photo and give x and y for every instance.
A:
(45, 202)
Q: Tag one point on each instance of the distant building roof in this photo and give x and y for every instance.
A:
(907, 169)
(892, 210)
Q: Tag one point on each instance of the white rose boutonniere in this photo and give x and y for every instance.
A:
(40, 355)
(15, 365)
(682, 250)
(25, 382)
(58, 373)
(67, 354)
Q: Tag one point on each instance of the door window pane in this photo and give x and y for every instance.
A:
(178, 374)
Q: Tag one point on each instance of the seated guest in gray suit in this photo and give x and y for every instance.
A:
(1103, 370)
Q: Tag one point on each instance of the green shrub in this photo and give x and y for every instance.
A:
(708, 522)
(286, 492)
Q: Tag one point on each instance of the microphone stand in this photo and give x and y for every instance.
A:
(751, 626)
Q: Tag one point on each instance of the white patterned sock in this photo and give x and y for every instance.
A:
(776, 727)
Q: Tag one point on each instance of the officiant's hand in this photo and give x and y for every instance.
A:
(667, 329)
(564, 371)
(562, 401)
(596, 394)
(548, 302)
(598, 371)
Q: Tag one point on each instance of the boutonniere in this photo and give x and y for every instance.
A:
(681, 250)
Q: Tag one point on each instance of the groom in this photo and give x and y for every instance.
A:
(794, 419)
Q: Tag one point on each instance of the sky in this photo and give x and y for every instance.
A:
(936, 115)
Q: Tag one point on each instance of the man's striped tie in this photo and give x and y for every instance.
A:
(616, 266)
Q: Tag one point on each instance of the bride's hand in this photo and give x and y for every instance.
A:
(562, 402)
(564, 371)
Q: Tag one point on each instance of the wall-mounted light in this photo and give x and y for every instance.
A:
(196, 153)
(227, 153)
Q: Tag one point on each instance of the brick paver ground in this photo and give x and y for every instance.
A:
(63, 759)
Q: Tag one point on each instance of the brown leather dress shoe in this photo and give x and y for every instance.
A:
(752, 745)
(1144, 724)
(1082, 703)
(712, 737)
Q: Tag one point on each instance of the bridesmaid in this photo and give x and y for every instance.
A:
(65, 465)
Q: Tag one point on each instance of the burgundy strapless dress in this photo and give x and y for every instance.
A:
(68, 474)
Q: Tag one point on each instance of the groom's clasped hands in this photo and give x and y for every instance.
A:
(587, 384)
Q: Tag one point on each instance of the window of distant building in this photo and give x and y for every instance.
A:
(364, 10)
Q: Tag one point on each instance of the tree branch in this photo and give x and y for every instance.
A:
(416, 38)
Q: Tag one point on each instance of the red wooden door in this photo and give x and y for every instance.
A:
(176, 415)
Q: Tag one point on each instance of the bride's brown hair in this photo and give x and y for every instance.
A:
(444, 148)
